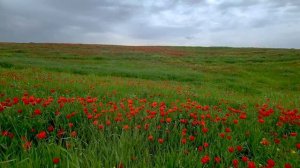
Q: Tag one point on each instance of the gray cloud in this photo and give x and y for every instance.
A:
(251, 23)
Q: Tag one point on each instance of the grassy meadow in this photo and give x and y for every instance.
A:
(75, 105)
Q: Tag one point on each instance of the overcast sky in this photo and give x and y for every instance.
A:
(241, 23)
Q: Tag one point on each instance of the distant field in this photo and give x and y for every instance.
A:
(123, 106)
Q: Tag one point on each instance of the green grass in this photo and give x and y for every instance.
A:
(219, 77)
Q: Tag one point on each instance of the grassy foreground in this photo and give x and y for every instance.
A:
(67, 105)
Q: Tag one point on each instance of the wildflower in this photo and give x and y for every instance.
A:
(243, 116)
(264, 142)
(150, 138)
(205, 159)
(205, 145)
(298, 146)
(277, 141)
(108, 123)
(37, 112)
(50, 128)
(60, 133)
(251, 165)
(5, 133)
(204, 130)
(200, 148)
(270, 163)
(160, 140)
(227, 130)
(287, 165)
(126, 127)
(168, 120)
(244, 159)
(192, 138)
(239, 148)
(55, 160)
(261, 120)
(217, 159)
(235, 163)
(71, 125)
(27, 145)
(101, 127)
(73, 134)
(231, 149)
(41, 135)
(95, 122)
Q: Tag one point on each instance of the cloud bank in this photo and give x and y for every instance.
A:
(239, 23)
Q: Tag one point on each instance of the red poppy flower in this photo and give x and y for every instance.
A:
(168, 120)
(205, 144)
(50, 128)
(217, 159)
(251, 165)
(101, 127)
(270, 163)
(108, 123)
(27, 145)
(95, 122)
(73, 134)
(200, 148)
(235, 163)
(37, 112)
(261, 120)
(204, 130)
(55, 160)
(287, 165)
(192, 138)
(71, 125)
(239, 148)
(244, 159)
(277, 141)
(41, 135)
(265, 142)
(298, 146)
(231, 149)
(243, 116)
(205, 159)
(5, 133)
(150, 138)
(160, 140)
(227, 130)
(126, 127)
(60, 133)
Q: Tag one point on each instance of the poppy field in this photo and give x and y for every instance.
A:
(73, 105)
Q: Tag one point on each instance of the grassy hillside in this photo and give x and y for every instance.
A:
(101, 83)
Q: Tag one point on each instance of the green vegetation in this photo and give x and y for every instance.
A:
(238, 78)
